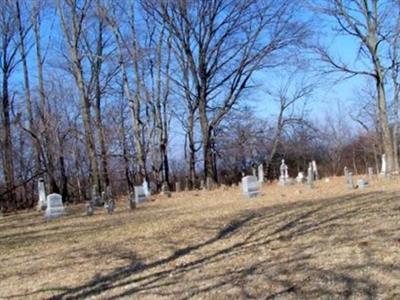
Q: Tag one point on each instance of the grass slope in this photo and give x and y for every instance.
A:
(290, 243)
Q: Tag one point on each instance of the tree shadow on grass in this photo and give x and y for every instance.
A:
(288, 238)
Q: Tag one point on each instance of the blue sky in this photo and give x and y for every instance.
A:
(325, 98)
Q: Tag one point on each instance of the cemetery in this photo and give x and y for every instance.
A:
(211, 244)
(199, 149)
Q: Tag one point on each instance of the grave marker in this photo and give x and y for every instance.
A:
(54, 207)
(140, 195)
(250, 186)
(42, 195)
(384, 170)
(146, 190)
(284, 175)
(362, 183)
(346, 174)
(350, 182)
(310, 176)
(300, 177)
(315, 170)
(261, 173)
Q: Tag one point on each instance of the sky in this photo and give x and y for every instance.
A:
(323, 101)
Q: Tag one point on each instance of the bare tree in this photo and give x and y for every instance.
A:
(8, 61)
(23, 31)
(72, 16)
(394, 71)
(129, 53)
(369, 22)
(292, 98)
(224, 42)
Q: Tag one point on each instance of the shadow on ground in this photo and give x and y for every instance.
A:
(335, 248)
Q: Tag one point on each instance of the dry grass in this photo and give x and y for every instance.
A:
(290, 243)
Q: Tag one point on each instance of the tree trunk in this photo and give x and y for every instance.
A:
(7, 140)
(47, 155)
(383, 121)
(191, 153)
(27, 90)
(206, 139)
(125, 155)
(275, 142)
(396, 95)
(97, 108)
(105, 180)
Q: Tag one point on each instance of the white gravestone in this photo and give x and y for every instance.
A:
(315, 170)
(261, 173)
(384, 170)
(145, 186)
(54, 207)
(310, 176)
(300, 177)
(362, 183)
(346, 174)
(350, 182)
(284, 175)
(140, 195)
(250, 186)
(42, 195)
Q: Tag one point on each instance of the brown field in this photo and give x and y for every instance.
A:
(291, 243)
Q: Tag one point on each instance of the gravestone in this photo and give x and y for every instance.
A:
(146, 190)
(370, 173)
(54, 207)
(384, 170)
(315, 170)
(253, 168)
(362, 183)
(42, 195)
(346, 174)
(350, 182)
(261, 173)
(177, 187)
(284, 175)
(250, 186)
(140, 195)
(300, 177)
(310, 176)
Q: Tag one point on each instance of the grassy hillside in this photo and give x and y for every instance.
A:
(290, 243)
